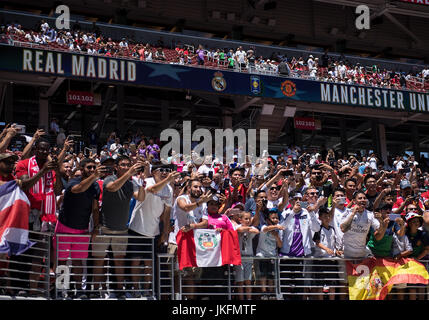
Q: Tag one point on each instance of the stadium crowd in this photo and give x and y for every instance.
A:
(299, 204)
(323, 68)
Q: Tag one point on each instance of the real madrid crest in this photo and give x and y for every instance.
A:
(218, 82)
(288, 88)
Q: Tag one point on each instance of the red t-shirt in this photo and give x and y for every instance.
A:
(242, 190)
(400, 200)
(22, 169)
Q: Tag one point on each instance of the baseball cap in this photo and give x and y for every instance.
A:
(7, 155)
(405, 184)
(412, 215)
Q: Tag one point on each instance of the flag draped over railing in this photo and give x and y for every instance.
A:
(207, 248)
(373, 278)
(14, 213)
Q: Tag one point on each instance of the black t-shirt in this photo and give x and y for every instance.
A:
(77, 207)
(116, 205)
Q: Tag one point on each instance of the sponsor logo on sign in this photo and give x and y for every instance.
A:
(288, 88)
(255, 85)
(218, 82)
(207, 241)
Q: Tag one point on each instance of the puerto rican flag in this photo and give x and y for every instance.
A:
(207, 248)
(14, 213)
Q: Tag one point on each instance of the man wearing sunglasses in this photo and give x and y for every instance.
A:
(300, 225)
(80, 201)
(118, 189)
(145, 221)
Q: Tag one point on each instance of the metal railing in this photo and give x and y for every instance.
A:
(286, 279)
(129, 271)
(28, 274)
(133, 271)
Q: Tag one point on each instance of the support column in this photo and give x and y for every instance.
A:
(120, 110)
(415, 140)
(165, 115)
(343, 136)
(8, 103)
(383, 144)
(375, 138)
(43, 113)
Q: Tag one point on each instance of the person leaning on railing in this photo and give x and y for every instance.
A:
(118, 190)
(80, 201)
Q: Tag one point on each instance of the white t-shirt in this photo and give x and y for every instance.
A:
(182, 218)
(336, 223)
(373, 163)
(355, 238)
(327, 237)
(240, 56)
(146, 214)
(398, 164)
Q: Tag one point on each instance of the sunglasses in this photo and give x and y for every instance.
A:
(91, 167)
(164, 170)
(313, 193)
(275, 188)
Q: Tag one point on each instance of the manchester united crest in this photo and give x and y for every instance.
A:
(218, 82)
(288, 88)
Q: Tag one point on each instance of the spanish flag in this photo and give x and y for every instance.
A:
(373, 278)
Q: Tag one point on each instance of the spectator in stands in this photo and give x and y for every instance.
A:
(118, 190)
(123, 43)
(269, 242)
(383, 246)
(160, 55)
(148, 53)
(355, 225)
(243, 272)
(297, 237)
(190, 212)
(200, 55)
(327, 245)
(146, 217)
(80, 201)
(240, 58)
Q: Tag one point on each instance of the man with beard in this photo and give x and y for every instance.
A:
(80, 201)
(190, 212)
(355, 225)
(145, 221)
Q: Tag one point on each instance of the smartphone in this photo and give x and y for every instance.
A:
(294, 161)
(342, 200)
(211, 174)
(288, 173)
(304, 204)
(20, 127)
(225, 184)
(393, 216)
